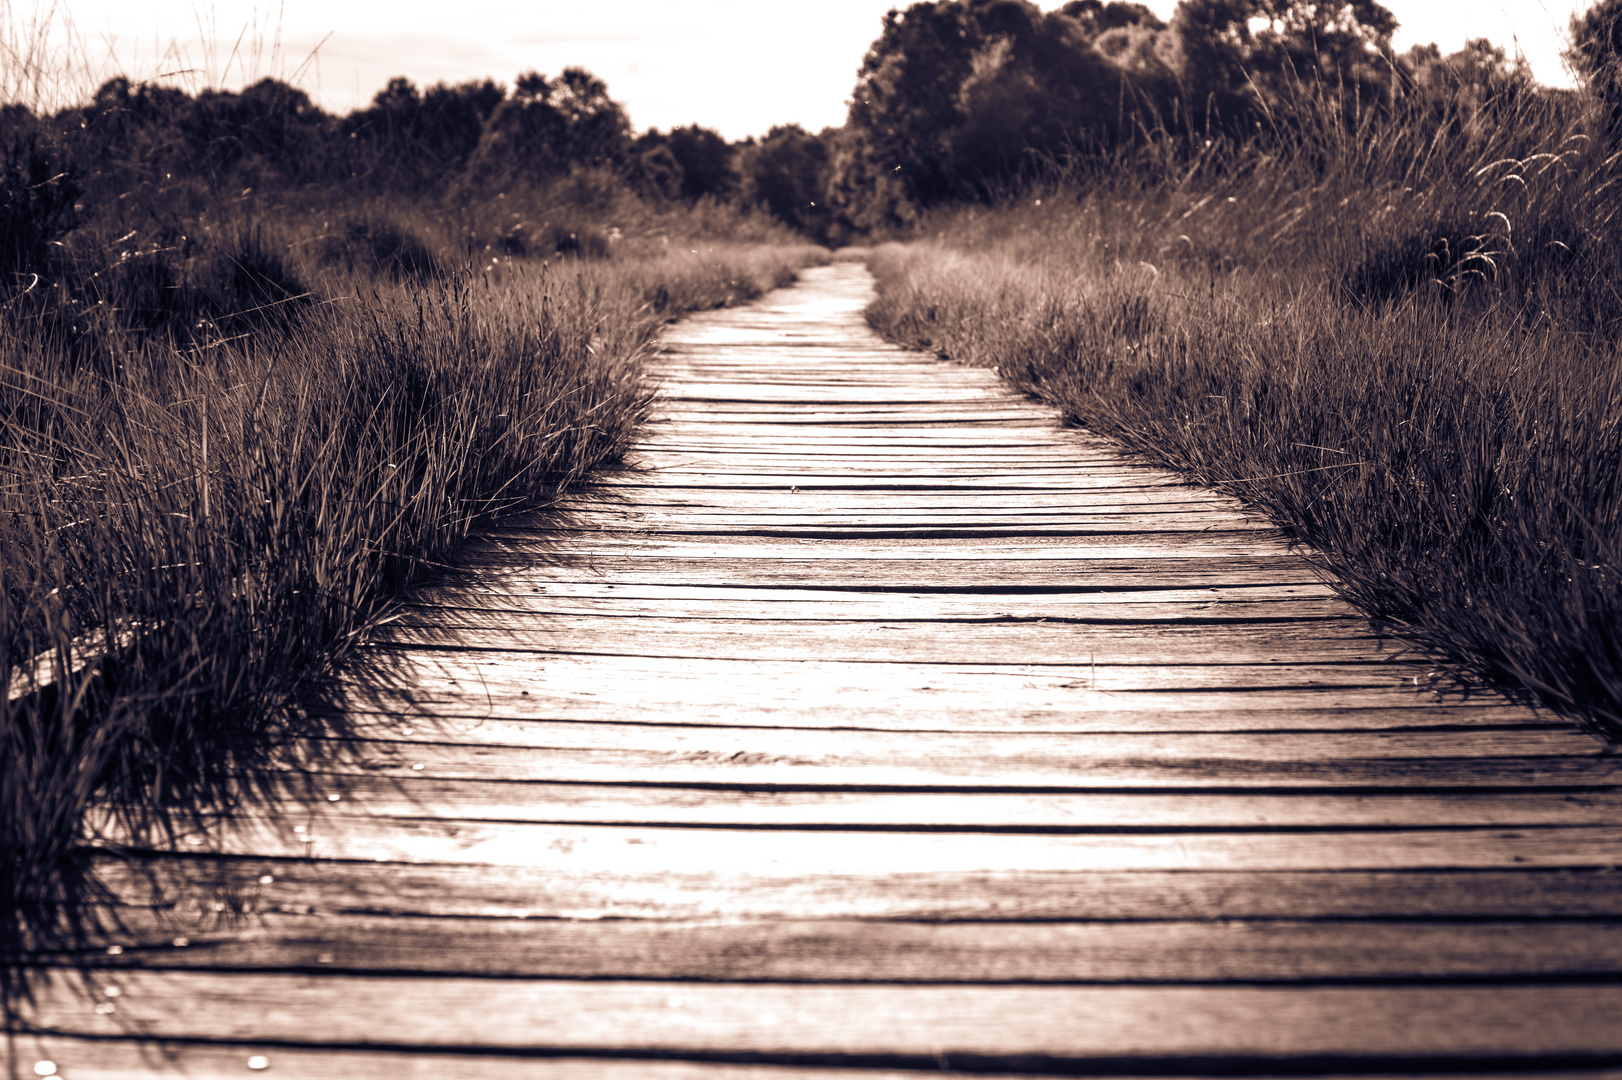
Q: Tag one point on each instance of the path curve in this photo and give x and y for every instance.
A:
(875, 720)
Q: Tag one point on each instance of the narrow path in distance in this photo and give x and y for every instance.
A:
(875, 724)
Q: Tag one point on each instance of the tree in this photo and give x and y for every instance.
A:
(414, 141)
(1253, 50)
(270, 127)
(788, 173)
(1096, 18)
(705, 160)
(1040, 89)
(905, 102)
(547, 127)
(1596, 54)
(956, 97)
(653, 169)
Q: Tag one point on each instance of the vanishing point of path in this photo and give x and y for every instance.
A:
(875, 725)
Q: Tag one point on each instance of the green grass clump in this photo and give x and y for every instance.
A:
(1397, 336)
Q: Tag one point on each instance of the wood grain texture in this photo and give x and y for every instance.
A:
(888, 951)
(871, 723)
(1074, 1023)
(652, 850)
(201, 891)
(134, 1059)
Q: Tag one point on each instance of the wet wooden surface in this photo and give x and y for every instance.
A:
(871, 725)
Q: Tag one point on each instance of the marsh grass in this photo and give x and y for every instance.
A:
(224, 451)
(1396, 335)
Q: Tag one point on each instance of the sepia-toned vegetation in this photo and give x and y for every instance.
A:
(260, 369)
(1393, 325)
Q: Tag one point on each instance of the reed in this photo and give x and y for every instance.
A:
(224, 453)
(1394, 332)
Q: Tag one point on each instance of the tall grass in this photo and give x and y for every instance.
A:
(1397, 333)
(226, 442)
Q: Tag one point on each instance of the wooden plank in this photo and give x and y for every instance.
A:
(824, 951)
(195, 887)
(615, 849)
(1069, 1023)
(700, 565)
(968, 600)
(707, 601)
(128, 1059)
(889, 480)
(453, 707)
(626, 495)
(734, 760)
(814, 419)
(456, 686)
(860, 396)
(945, 525)
(1012, 477)
(1117, 518)
(1124, 686)
(980, 502)
(1318, 641)
(457, 605)
(824, 529)
(421, 795)
(1004, 755)
(1086, 452)
(941, 551)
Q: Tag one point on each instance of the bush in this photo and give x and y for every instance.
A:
(38, 206)
(379, 247)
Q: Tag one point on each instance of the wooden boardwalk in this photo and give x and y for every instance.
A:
(876, 725)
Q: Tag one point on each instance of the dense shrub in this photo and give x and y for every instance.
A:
(378, 246)
(38, 206)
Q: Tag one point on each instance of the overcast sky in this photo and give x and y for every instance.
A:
(739, 66)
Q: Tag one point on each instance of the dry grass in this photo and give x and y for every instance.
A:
(206, 502)
(1400, 341)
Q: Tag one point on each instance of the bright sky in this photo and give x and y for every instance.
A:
(739, 66)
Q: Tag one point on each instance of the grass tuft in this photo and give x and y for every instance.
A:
(223, 452)
(1400, 342)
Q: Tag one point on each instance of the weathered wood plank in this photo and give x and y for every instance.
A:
(855, 525)
(731, 757)
(884, 951)
(701, 565)
(1077, 1023)
(614, 849)
(125, 1059)
(951, 601)
(506, 697)
(422, 795)
(456, 605)
(1187, 547)
(192, 886)
(980, 502)
(1117, 518)
(821, 475)
(992, 687)
(1317, 641)
(820, 695)
(1004, 754)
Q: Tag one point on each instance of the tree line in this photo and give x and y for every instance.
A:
(954, 99)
